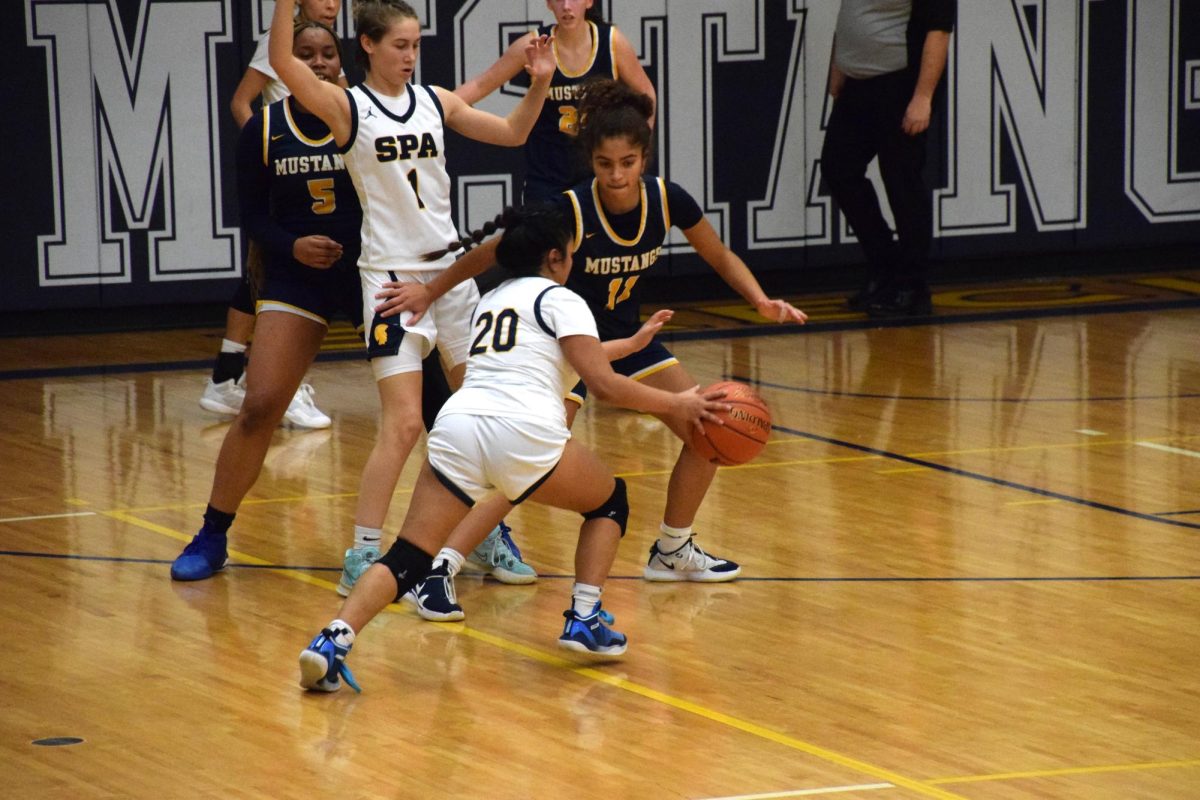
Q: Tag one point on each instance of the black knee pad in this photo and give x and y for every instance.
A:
(616, 507)
(408, 564)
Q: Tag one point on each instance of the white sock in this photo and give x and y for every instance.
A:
(451, 558)
(671, 539)
(367, 537)
(343, 634)
(230, 346)
(584, 598)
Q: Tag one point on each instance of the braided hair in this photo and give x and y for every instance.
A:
(609, 109)
(529, 234)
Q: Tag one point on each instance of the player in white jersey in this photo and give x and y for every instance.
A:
(506, 430)
(391, 134)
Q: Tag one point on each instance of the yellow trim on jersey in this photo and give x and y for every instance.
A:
(591, 59)
(288, 308)
(266, 132)
(612, 52)
(662, 192)
(604, 220)
(287, 112)
(653, 369)
(570, 193)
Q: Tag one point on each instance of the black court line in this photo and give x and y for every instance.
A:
(817, 327)
(1176, 513)
(826, 579)
(962, 473)
(936, 399)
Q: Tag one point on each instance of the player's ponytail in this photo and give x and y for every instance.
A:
(608, 109)
(502, 220)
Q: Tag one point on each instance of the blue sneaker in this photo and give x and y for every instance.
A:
(590, 635)
(499, 556)
(354, 565)
(323, 664)
(203, 556)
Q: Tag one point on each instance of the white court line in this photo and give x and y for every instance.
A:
(1090, 432)
(862, 787)
(1179, 451)
(50, 516)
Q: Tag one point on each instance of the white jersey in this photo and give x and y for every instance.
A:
(275, 89)
(396, 155)
(516, 367)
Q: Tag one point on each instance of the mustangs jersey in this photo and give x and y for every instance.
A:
(550, 152)
(614, 252)
(516, 367)
(290, 160)
(397, 156)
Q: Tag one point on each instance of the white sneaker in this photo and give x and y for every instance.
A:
(688, 563)
(223, 398)
(303, 412)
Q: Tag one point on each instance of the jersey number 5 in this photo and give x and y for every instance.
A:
(502, 327)
(324, 200)
(616, 294)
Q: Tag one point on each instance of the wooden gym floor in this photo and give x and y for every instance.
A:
(970, 571)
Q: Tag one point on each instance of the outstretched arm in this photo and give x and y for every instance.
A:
(513, 130)
(619, 348)
(327, 100)
(587, 358)
(734, 271)
(417, 297)
(498, 74)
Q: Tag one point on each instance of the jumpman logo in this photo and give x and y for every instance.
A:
(370, 112)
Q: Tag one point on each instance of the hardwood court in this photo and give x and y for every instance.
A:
(970, 571)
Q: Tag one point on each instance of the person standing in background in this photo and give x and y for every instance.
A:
(888, 59)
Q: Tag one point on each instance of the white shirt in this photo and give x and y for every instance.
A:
(396, 155)
(516, 367)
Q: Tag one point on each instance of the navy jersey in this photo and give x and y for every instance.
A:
(613, 252)
(292, 182)
(552, 160)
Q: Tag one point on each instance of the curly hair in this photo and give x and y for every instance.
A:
(608, 109)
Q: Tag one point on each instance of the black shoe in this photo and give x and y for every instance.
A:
(905, 300)
(863, 297)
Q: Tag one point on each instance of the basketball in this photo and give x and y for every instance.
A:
(746, 428)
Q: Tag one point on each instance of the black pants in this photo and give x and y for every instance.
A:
(865, 123)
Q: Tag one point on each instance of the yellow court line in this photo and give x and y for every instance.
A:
(901, 470)
(1051, 773)
(595, 675)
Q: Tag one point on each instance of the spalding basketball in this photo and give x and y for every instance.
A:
(746, 428)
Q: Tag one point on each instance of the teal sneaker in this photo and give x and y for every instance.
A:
(354, 565)
(499, 557)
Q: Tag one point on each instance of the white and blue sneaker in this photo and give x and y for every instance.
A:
(323, 664)
(590, 635)
(688, 563)
(498, 556)
(434, 596)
